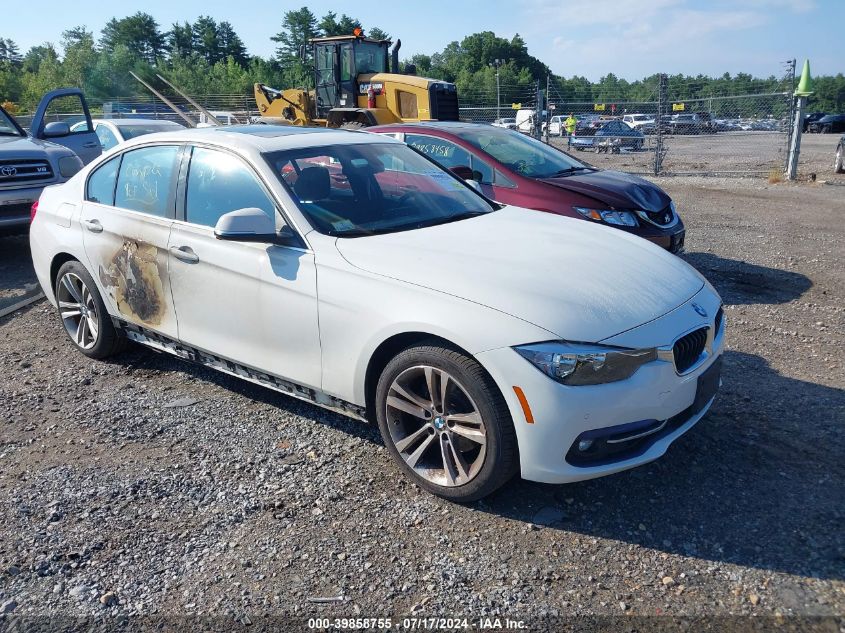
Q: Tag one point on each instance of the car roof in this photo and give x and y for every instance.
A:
(133, 121)
(446, 126)
(264, 138)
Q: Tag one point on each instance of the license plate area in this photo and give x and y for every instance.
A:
(708, 385)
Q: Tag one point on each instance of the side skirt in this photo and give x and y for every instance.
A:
(165, 344)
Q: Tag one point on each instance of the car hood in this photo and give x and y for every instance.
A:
(26, 147)
(578, 280)
(616, 189)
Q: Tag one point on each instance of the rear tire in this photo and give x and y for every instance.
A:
(459, 443)
(83, 314)
(839, 162)
(352, 125)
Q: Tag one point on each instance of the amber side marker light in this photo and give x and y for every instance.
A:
(529, 417)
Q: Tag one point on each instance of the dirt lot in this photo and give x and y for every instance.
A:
(760, 152)
(150, 486)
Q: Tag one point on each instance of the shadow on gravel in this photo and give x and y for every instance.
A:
(740, 282)
(140, 359)
(758, 482)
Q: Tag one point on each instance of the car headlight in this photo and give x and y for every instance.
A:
(580, 364)
(69, 166)
(620, 218)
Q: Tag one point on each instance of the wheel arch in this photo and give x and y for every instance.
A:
(388, 349)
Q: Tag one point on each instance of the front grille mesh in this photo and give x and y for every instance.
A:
(689, 348)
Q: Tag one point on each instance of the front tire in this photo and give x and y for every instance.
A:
(445, 423)
(839, 162)
(83, 313)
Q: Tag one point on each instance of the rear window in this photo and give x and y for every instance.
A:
(146, 178)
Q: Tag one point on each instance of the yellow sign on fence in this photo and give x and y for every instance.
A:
(516, 106)
(598, 107)
(678, 107)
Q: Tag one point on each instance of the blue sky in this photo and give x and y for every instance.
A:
(630, 38)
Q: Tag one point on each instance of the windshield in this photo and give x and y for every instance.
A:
(131, 131)
(520, 153)
(365, 189)
(8, 126)
(370, 58)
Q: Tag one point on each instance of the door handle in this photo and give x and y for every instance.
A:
(91, 144)
(185, 253)
(93, 225)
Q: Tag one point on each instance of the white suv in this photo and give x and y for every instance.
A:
(641, 122)
(345, 269)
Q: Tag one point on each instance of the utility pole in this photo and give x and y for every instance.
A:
(496, 63)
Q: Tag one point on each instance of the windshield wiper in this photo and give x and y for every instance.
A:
(567, 170)
(452, 218)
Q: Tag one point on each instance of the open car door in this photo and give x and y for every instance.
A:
(56, 112)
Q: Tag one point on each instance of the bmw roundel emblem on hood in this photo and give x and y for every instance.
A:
(701, 311)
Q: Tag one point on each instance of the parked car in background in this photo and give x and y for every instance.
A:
(508, 122)
(49, 155)
(828, 124)
(689, 123)
(611, 136)
(642, 122)
(344, 269)
(515, 169)
(839, 157)
(556, 125)
(113, 132)
(812, 118)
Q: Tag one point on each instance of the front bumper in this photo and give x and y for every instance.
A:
(15, 205)
(563, 414)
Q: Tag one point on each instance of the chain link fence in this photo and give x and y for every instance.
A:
(719, 135)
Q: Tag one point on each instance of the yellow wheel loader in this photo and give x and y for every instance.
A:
(354, 89)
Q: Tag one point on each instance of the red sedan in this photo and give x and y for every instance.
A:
(512, 168)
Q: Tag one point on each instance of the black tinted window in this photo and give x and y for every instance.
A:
(101, 183)
(219, 183)
(145, 179)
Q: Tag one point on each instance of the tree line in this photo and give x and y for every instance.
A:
(208, 57)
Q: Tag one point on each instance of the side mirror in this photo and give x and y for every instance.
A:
(246, 225)
(56, 129)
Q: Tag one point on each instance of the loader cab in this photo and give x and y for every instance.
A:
(338, 62)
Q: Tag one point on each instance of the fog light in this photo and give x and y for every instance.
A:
(584, 445)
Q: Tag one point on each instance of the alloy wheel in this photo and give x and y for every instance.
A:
(435, 426)
(78, 310)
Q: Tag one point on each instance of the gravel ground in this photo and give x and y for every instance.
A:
(148, 486)
(761, 152)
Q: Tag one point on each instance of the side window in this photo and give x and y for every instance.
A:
(481, 171)
(106, 137)
(219, 183)
(145, 179)
(67, 108)
(102, 181)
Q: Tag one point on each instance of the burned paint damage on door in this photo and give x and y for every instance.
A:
(133, 279)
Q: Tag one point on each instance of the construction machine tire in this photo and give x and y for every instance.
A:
(352, 125)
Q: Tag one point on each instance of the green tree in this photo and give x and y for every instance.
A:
(139, 33)
(231, 45)
(377, 34)
(297, 28)
(180, 40)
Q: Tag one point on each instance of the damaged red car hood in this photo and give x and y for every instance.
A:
(616, 189)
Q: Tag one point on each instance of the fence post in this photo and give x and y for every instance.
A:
(538, 112)
(795, 147)
(661, 105)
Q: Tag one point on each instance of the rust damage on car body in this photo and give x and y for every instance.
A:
(134, 281)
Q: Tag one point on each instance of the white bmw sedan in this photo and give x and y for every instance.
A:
(345, 269)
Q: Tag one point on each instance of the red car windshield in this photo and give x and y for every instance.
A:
(520, 153)
(365, 189)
